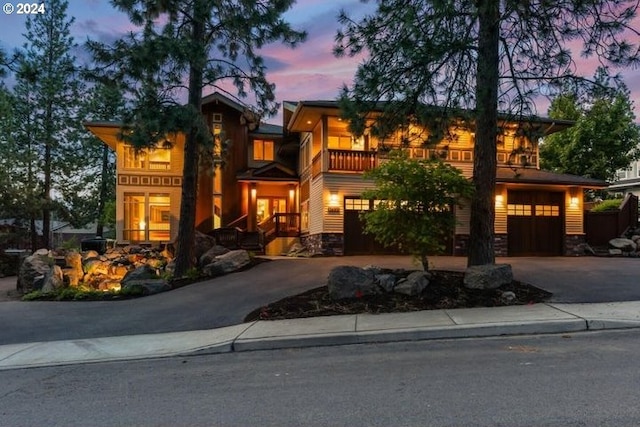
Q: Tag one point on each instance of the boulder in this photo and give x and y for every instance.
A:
(350, 282)
(228, 263)
(386, 282)
(33, 270)
(90, 255)
(625, 245)
(141, 273)
(147, 286)
(583, 249)
(209, 256)
(73, 261)
(202, 243)
(489, 276)
(298, 250)
(414, 284)
(615, 252)
(53, 280)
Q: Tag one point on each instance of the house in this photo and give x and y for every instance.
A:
(627, 180)
(256, 190)
(305, 180)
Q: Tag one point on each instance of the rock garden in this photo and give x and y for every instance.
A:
(120, 272)
(354, 290)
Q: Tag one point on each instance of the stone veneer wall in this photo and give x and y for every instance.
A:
(571, 243)
(461, 245)
(324, 244)
(500, 244)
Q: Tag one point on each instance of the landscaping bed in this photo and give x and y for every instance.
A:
(445, 291)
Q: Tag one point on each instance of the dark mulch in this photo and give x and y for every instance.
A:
(445, 290)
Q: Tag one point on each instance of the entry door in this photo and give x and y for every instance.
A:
(535, 223)
(269, 206)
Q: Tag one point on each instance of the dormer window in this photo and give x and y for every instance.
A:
(262, 150)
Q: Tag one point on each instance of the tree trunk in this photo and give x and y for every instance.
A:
(481, 250)
(102, 200)
(187, 223)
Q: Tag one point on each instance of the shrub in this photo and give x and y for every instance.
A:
(607, 205)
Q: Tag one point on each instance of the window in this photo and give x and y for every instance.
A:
(147, 217)
(519, 210)
(339, 142)
(262, 150)
(547, 210)
(157, 159)
(357, 204)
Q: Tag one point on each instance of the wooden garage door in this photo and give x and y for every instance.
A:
(535, 223)
(355, 241)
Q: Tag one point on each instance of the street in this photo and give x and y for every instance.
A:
(585, 379)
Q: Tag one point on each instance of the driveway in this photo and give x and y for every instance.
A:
(226, 300)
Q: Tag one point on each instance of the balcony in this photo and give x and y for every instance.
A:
(351, 161)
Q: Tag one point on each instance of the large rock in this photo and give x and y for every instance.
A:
(210, 256)
(228, 263)
(351, 282)
(386, 282)
(33, 270)
(53, 279)
(414, 284)
(202, 243)
(144, 286)
(489, 276)
(141, 273)
(625, 245)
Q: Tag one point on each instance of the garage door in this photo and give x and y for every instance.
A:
(355, 241)
(535, 223)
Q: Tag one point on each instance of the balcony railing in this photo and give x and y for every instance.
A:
(352, 161)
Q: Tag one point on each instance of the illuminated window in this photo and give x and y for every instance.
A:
(157, 159)
(262, 150)
(519, 210)
(147, 217)
(357, 204)
(340, 142)
(547, 210)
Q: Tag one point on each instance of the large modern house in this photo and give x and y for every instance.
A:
(304, 182)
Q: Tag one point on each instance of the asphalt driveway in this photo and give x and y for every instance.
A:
(226, 300)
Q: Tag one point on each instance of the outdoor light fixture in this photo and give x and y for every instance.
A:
(499, 199)
(574, 202)
(333, 199)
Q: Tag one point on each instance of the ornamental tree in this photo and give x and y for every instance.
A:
(415, 201)
(472, 58)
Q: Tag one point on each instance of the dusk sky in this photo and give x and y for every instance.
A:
(307, 72)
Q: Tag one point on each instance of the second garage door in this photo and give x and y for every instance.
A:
(535, 223)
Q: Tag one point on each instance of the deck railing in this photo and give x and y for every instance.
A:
(352, 161)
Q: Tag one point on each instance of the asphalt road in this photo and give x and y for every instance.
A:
(226, 300)
(587, 379)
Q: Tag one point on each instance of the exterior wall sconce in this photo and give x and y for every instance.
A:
(499, 200)
(254, 192)
(574, 202)
(333, 199)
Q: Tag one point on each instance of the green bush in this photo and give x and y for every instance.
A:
(607, 205)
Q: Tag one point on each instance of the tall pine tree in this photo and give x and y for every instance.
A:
(48, 87)
(481, 56)
(200, 44)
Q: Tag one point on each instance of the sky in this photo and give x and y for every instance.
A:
(309, 72)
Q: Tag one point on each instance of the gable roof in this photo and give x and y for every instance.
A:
(217, 97)
(273, 171)
(508, 175)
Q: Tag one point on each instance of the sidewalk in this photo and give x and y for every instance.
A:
(332, 330)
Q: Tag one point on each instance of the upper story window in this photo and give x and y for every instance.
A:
(157, 159)
(262, 150)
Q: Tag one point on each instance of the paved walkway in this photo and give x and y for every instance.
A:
(206, 318)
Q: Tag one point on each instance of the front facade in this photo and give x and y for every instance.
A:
(537, 212)
(249, 184)
(305, 181)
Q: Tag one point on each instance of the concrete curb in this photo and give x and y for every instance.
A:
(330, 331)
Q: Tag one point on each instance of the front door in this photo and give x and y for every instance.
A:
(269, 206)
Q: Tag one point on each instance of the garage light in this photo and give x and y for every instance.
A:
(499, 199)
(574, 202)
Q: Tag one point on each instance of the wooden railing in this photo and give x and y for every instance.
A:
(281, 225)
(352, 161)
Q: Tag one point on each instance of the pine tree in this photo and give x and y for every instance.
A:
(49, 79)
(205, 44)
(472, 58)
